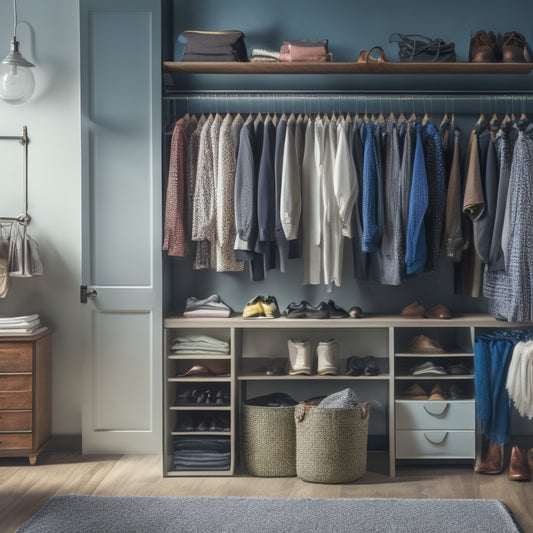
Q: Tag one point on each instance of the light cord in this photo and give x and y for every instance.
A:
(14, 20)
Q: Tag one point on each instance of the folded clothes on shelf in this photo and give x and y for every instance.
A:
(276, 399)
(269, 56)
(201, 453)
(210, 307)
(199, 344)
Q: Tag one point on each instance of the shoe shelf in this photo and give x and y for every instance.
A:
(458, 353)
(384, 67)
(200, 379)
(259, 345)
(312, 377)
(433, 377)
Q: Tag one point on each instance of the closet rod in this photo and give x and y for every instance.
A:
(25, 218)
(472, 95)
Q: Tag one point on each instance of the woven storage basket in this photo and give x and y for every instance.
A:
(331, 444)
(268, 440)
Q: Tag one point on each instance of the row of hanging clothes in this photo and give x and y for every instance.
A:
(262, 189)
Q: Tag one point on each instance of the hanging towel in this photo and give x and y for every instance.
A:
(24, 258)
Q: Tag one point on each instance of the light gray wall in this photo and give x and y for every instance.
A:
(49, 37)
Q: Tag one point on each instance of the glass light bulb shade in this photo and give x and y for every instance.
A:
(16, 83)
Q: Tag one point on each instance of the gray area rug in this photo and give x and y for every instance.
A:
(84, 514)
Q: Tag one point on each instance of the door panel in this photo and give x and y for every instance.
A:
(121, 213)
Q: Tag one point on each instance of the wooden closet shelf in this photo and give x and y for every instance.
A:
(344, 68)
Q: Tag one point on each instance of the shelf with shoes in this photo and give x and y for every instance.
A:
(259, 357)
(434, 392)
(199, 422)
(382, 67)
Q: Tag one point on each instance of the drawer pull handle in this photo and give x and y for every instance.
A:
(436, 410)
(439, 438)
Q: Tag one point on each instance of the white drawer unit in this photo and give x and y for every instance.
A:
(435, 444)
(450, 415)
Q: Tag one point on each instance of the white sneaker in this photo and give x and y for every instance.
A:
(328, 355)
(299, 357)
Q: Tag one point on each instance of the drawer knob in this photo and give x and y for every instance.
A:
(436, 410)
(436, 438)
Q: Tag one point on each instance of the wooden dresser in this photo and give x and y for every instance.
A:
(25, 394)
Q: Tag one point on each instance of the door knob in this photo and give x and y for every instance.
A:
(86, 293)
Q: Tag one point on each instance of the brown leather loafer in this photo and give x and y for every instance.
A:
(417, 309)
(437, 394)
(482, 47)
(493, 463)
(518, 467)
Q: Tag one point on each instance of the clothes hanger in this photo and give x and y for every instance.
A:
(425, 119)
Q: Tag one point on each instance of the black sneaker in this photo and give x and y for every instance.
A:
(320, 311)
(295, 310)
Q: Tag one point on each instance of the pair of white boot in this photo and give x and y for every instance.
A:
(301, 358)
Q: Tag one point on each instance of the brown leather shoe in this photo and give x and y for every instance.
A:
(423, 344)
(513, 47)
(417, 309)
(437, 394)
(518, 467)
(493, 463)
(482, 47)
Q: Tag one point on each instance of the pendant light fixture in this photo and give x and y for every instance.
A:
(16, 78)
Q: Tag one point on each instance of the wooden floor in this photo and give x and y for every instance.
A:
(25, 489)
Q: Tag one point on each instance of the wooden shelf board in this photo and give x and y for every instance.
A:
(388, 67)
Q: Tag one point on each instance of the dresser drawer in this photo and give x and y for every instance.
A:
(16, 441)
(15, 420)
(16, 357)
(15, 382)
(15, 400)
(458, 414)
(432, 444)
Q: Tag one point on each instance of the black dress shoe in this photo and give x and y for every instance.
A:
(336, 311)
(371, 367)
(295, 310)
(320, 311)
(456, 392)
(354, 366)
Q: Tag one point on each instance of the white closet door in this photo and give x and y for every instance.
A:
(121, 249)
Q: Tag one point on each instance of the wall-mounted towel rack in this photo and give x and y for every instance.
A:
(23, 140)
